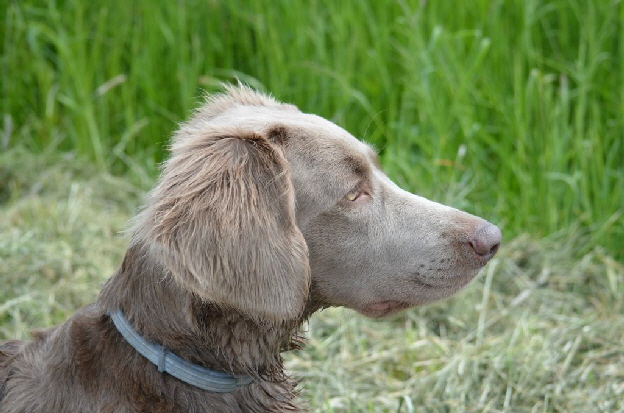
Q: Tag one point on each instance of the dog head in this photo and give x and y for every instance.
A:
(262, 208)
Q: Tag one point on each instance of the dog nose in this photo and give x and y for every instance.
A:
(486, 240)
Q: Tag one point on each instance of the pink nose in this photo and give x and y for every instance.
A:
(486, 240)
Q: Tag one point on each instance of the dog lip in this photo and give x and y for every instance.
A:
(423, 281)
(437, 283)
(379, 309)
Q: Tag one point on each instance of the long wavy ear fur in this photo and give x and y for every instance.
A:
(222, 220)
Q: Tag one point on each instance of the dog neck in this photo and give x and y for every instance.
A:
(200, 332)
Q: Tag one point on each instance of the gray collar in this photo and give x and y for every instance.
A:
(166, 361)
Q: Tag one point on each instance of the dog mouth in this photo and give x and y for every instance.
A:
(457, 281)
(384, 308)
(437, 287)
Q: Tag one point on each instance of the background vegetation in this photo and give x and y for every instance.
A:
(510, 109)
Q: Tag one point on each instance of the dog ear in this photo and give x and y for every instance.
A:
(222, 220)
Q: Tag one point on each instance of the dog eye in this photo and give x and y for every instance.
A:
(353, 195)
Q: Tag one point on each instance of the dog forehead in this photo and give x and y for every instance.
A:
(305, 132)
(323, 144)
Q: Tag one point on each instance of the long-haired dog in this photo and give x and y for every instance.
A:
(261, 216)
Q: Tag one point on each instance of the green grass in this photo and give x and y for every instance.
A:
(539, 331)
(510, 109)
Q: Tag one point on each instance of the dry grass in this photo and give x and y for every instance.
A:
(540, 331)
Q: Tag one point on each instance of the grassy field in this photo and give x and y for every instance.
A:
(509, 109)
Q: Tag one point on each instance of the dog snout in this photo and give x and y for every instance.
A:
(486, 240)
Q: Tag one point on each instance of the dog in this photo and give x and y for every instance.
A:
(262, 215)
